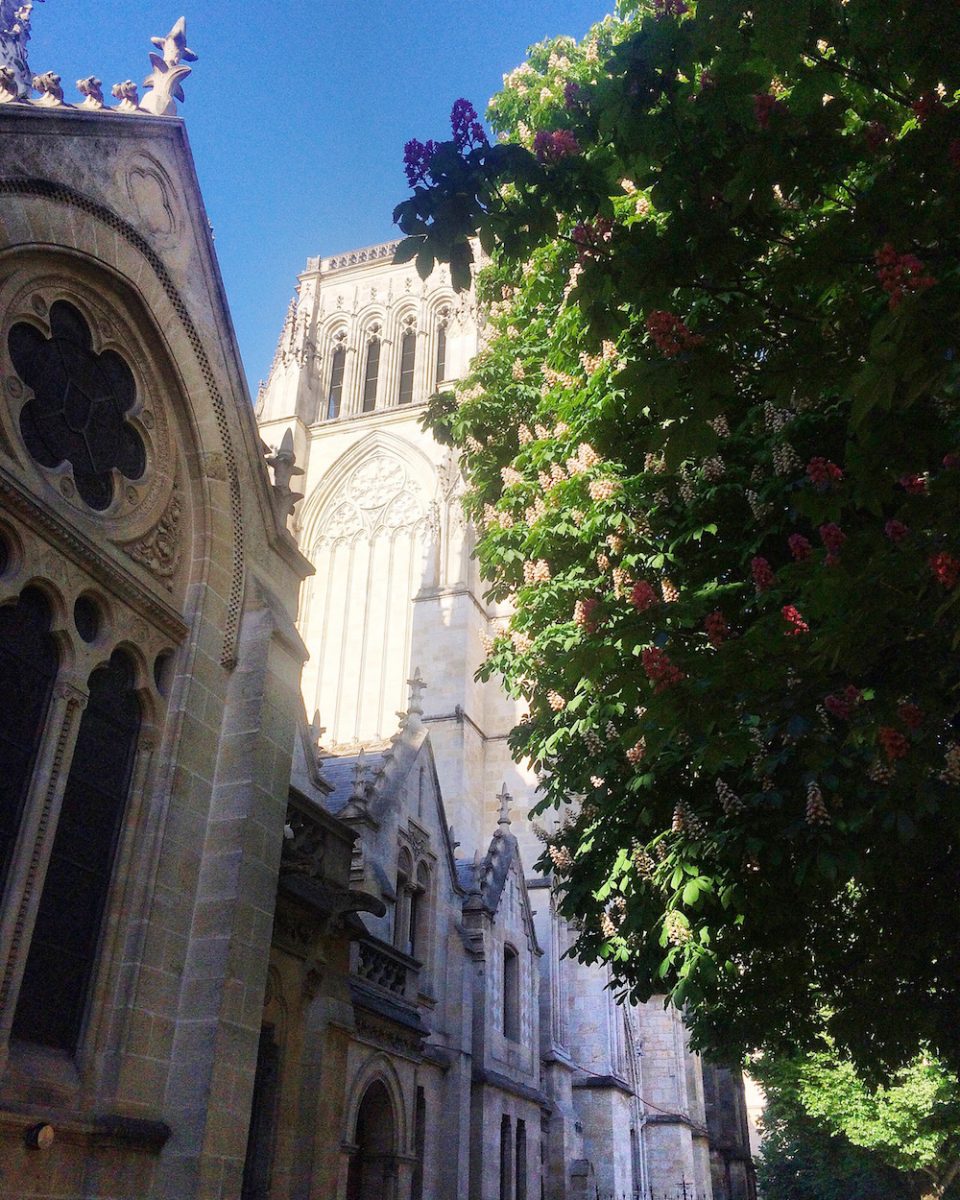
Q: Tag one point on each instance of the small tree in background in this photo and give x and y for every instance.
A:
(713, 450)
(829, 1134)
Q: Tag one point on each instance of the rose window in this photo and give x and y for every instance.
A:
(78, 412)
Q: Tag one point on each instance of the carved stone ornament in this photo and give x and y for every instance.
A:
(379, 494)
(128, 96)
(283, 460)
(159, 551)
(91, 89)
(15, 74)
(9, 88)
(49, 87)
(168, 72)
(304, 846)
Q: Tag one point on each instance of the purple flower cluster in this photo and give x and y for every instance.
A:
(552, 147)
(465, 125)
(417, 157)
(572, 97)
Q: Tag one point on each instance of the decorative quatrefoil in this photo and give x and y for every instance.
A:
(78, 412)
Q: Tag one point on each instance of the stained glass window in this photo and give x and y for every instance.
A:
(65, 939)
(78, 413)
(28, 666)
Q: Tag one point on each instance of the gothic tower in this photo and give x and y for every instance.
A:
(396, 590)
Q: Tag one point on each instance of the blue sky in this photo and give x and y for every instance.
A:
(298, 110)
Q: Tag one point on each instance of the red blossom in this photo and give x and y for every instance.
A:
(913, 485)
(895, 530)
(669, 8)
(670, 334)
(842, 704)
(832, 537)
(951, 461)
(763, 576)
(895, 744)
(800, 548)
(764, 106)
(660, 669)
(591, 237)
(877, 135)
(572, 94)
(953, 153)
(643, 596)
(900, 274)
(911, 715)
(551, 147)
(717, 629)
(823, 473)
(945, 568)
(926, 105)
(796, 625)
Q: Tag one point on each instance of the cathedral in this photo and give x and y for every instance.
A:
(272, 925)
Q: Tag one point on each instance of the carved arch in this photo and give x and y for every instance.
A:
(378, 1069)
(379, 443)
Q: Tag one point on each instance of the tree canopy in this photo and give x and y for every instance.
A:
(825, 1129)
(713, 454)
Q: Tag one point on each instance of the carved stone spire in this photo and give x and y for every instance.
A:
(505, 800)
(14, 34)
(416, 686)
(166, 78)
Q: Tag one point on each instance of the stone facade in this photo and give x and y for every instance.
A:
(622, 1105)
(241, 955)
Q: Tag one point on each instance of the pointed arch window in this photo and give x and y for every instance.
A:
(63, 950)
(28, 666)
(441, 363)
(408, 360)
(511, 994)
(371, 373)
(338, 364)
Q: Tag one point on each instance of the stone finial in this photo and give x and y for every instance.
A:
(50, 89)
(166, 78)
(283, 460)
(91, 89)
(128, 96)
(416, 686)
(317, 731)
(359, 779)
(505, 800)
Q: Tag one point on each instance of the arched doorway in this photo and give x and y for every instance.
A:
(373, 1167)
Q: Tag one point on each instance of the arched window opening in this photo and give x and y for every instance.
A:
(420, 914)
(521, 1171)
(511, 994)
(261, 1137)
(372, 1174)
(335, 394)
(28, 667)
(408, 358)
(403, 908)
(506, 1159)
(441, 364)
(371, 374)
(63, 951)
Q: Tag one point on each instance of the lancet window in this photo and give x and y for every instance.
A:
(408, 360)
(371, 371)
(441, 360)
(63, 949)
(338, 362)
